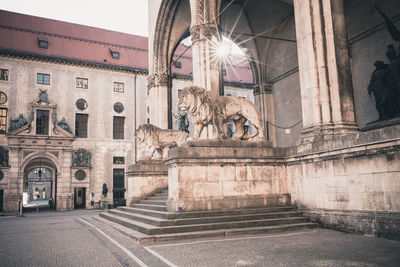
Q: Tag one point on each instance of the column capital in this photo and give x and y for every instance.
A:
(263, 89)
(203, 31)
(158, 80)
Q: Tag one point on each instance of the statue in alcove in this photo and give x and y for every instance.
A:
(384, 83)
(105, 190)
(182, 120)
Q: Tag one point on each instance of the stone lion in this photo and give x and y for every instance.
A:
(205, 109)
(159, 139)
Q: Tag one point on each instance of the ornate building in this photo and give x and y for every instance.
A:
(71, 97)
(326, 109)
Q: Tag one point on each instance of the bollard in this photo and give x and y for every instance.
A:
(20, 208)
(37, 207)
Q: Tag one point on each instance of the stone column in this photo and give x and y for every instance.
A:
(263, 99)
(324, 68)
(158, 100)
(204, 32)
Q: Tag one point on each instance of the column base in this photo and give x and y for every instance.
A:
(315, 133)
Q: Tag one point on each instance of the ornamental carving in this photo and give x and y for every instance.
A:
(63, 124)
(151, 80)
(43, 97)
(203, 32)
(163, 80)
(17, 123)
(81, 158)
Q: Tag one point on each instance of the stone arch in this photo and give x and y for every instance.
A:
(37, 155)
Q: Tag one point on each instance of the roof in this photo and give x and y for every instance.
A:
(84, 44)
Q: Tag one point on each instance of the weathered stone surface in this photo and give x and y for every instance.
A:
(209, 174)
(145, 178)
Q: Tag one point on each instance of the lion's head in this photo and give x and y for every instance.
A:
(146, 131)
(192, 98)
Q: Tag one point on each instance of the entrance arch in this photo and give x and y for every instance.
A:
(39, 182)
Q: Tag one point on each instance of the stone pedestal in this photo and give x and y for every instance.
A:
(145, 178)
(216, 174)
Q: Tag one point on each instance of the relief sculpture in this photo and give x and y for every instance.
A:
(81, 158)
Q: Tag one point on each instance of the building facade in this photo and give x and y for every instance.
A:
(71, 99)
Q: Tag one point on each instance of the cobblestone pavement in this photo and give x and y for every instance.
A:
(56, 239)
(75, 239)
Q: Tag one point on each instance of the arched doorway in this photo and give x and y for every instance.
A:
(39, 187)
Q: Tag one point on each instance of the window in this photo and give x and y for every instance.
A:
(118, 107)
(178, 64)
(4, 74)
(82, 83)
(3, 120)
(118, 127)
(42, 122)
(224, 72)
(81, 122)
(114, 54)
(118, 87)
(43, 78)
(118, 160)
(119, 187)
(81, 104)
(43, 44)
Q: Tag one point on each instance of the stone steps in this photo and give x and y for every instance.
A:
(202, 220)
(197, 214)
(150, 207)
(149, 222)
(142, 238)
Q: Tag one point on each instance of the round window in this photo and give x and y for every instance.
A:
(80, 175)
(118, 107)
(81, 104)
(3, 98)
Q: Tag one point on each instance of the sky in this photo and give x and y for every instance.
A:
(128, 16)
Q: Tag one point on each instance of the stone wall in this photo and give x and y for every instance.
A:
(211, 174)
(145, 178)
(351, 183)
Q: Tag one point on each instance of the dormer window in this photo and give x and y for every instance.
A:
(178, 64)
(114, 54)
(43, 44)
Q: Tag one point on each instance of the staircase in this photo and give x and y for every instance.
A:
(149, 222)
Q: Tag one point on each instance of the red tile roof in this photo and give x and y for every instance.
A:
(69, 41)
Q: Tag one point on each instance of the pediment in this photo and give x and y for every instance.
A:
(46, 110)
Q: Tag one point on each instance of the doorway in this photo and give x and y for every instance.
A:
(80, 197)
(1, 200)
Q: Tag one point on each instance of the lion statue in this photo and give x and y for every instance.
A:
(159, 139)
(205, 109)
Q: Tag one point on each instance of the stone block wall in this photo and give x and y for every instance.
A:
(209, 175)
(353, 185)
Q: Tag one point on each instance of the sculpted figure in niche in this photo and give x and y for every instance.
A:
(105, 190)
(218, 111)
(182, 120)
(384, 83)
(159, 140)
